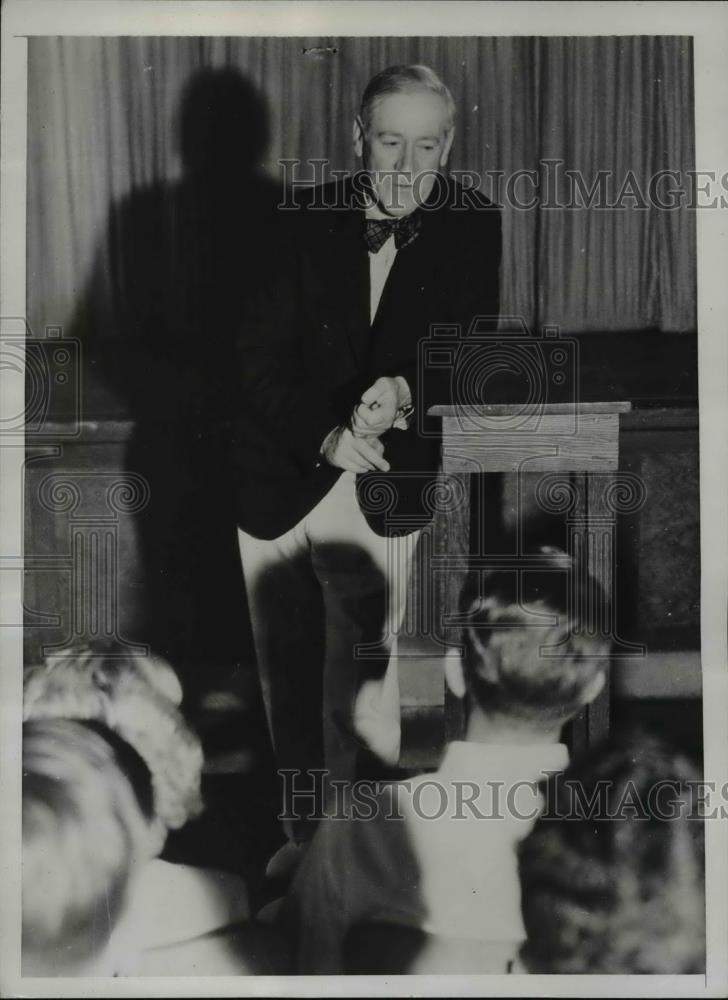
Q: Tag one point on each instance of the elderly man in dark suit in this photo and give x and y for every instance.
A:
(333, 469)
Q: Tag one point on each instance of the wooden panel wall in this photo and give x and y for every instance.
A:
(89, 518)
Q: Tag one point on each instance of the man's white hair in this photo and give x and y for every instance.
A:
(404, 79)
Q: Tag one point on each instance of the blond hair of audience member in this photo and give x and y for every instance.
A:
(136, 697)
(87, 818)
(95, 899)
(612, 875)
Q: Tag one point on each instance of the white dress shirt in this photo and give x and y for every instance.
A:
(441, 866)
(380, 264)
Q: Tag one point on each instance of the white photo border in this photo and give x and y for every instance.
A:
(707, 22)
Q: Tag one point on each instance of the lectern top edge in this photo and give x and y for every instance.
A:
(526, 409)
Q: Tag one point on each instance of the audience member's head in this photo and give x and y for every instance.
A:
(87, 821)
(533, 653)
(137, 698)
(617, 887)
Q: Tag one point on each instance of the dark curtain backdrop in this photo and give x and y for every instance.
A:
(104, 122)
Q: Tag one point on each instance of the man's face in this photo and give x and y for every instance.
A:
(407, 142)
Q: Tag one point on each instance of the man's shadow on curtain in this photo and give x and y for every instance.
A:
(159, 326)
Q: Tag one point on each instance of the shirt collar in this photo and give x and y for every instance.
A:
(528, 762)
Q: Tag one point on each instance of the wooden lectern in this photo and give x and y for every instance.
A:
(576, 447)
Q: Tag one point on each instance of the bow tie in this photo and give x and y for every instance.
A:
(378, 231)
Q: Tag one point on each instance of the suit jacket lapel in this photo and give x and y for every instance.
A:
(353, 283)
(342, 303)
(409, 291)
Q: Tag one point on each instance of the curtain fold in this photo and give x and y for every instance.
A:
(630, 266)
(104, 122)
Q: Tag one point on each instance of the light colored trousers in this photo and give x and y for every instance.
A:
(326, 601)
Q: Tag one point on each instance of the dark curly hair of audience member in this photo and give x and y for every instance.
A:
(612, 875)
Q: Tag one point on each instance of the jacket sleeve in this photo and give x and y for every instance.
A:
(281, 381)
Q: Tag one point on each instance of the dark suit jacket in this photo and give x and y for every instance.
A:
(307, 352)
